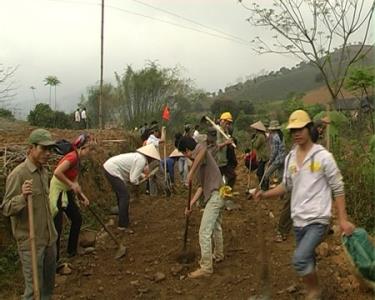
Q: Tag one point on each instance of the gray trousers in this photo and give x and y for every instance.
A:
(46, 260)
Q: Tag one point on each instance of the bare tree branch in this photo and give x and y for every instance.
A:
(7, 89)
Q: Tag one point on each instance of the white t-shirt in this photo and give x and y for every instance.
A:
(195, 135)
(129, 166)
(83, 115)
(77, 116)
(152, 139)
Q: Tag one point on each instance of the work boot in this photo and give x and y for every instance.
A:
(198, 273)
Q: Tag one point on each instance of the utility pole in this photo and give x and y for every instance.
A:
(101, 70)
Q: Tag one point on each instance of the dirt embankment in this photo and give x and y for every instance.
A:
(150, 270)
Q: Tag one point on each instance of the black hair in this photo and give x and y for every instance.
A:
(313, 131)
(186, 143)
(177, 138)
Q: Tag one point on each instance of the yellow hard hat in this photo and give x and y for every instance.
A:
(298, 119)
(227, 116)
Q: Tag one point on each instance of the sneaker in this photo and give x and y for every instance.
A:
(125, 229)
(217, 259)
(198, 273)
(279, 238)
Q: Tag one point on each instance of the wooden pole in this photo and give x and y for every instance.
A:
(34, 263)
(101, 69)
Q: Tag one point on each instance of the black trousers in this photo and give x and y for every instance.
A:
(230, 174)
(122, 195)
(260, 172)
(74, 215)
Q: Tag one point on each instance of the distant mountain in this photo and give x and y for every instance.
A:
(281, 84)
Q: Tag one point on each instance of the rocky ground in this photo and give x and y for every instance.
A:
(150, 269)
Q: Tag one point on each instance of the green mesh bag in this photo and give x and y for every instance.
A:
(361, 252)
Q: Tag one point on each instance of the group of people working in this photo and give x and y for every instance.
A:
(309, 172)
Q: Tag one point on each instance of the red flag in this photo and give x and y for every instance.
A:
(165, 115)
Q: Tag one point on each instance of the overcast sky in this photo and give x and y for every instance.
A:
(62, 38)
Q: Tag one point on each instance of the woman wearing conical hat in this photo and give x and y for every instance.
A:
(261, 148)
(126, 168)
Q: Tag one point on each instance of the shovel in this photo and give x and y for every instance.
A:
(34, 263)
(186, 256)
(121, 251)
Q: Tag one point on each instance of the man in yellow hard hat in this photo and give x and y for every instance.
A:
(312, 176)
(225, 157)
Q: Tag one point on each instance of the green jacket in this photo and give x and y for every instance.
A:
(15, 206)
(261, 147)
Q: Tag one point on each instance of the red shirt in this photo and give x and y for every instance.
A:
(72, 158)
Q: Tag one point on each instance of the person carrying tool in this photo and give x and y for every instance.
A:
(226, 166)
(209, 182)
(261, 147)
(30, 179)
(64, 188)
(312, 176)
(127, 168)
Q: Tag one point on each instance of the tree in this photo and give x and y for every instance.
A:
(42, 115)
(311, 29)
(52, 81)
(361, 81)
(7, 89)
(142, 94)
(6, 114)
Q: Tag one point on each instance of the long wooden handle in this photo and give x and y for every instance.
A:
(187, 217)
(218, 128)
(34, 263)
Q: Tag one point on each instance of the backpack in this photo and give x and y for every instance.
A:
(63, 147)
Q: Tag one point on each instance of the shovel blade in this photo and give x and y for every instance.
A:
(121, 251)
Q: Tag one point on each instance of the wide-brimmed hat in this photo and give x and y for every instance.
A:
(150, 151)
(176, 153)
(274, 125)
(258, 126)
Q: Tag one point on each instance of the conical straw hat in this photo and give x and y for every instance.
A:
(150, 151)
(259, 126)
(176, 153)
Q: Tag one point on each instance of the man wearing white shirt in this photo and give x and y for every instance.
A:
(77, 117)
(128, 168)
(84, 117)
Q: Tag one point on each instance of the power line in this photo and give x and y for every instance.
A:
(159, 20)
(190, 20)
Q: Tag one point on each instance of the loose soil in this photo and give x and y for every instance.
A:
(158, 225)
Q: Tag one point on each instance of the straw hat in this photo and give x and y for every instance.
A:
(274, 125)
(150, 151)
(176, 153)
(258, 126)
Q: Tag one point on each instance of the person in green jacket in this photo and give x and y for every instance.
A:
(30, 178)
(260, 145)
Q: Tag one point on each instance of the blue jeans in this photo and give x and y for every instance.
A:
(46, 261)
(307, 239)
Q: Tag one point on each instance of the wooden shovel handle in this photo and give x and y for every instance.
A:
(34, 263)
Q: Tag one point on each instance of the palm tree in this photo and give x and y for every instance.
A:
(51, 81)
